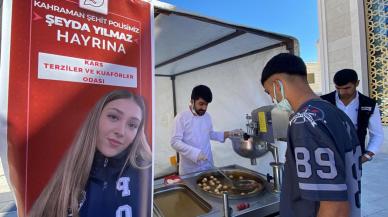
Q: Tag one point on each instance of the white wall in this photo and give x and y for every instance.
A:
(236, 91)
(164, 115)
(342, 42)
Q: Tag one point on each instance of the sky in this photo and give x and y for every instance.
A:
(297, 18)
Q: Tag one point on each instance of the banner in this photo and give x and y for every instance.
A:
(63, 58)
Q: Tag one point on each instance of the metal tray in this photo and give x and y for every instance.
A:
(178, 200)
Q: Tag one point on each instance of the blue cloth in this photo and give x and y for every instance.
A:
(112, 194)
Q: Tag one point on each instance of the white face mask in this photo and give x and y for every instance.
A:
(283, 105)
(280, 114)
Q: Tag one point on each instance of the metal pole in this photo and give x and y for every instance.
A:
(173, 94)
(175, 112)
(226, 205)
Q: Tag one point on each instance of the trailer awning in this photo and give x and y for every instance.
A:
(185, 42)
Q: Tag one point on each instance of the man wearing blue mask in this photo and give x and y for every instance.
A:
(322, 170)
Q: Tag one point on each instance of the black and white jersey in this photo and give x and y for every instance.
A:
(322, 161)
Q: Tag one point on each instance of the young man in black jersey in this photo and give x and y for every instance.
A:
(322, 170)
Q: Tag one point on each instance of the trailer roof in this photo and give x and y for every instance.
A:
(185, 42)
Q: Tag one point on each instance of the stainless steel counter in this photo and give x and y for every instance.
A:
(263, 204)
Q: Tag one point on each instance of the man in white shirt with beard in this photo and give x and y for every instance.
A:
(192, 132)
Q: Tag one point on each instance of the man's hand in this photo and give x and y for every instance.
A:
(366, 158)
(233, 133)
(201, 157)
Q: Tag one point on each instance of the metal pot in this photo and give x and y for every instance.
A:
(250, 148)
(235, 174)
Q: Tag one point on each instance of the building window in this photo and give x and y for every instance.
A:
(311, 78)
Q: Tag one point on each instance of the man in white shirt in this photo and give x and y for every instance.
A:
(362, 110)
(192, 132)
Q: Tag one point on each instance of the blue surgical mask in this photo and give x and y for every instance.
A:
(283, 105)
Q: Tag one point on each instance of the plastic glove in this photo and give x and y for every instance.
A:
(201, 157)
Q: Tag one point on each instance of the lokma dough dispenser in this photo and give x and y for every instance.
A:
(264, 126)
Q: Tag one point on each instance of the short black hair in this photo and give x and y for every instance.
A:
(284, 63)
(345, 76)
(202, 91)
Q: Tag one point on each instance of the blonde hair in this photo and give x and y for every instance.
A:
(62, 194)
